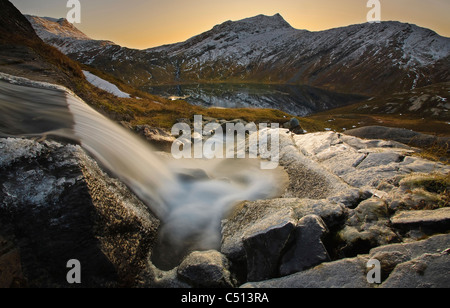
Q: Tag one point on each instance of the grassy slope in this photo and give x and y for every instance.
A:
(153, 110)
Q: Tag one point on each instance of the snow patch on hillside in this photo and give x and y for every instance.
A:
(105, 85)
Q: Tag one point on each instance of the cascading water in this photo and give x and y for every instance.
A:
(189, 196)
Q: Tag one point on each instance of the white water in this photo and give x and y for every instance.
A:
(191, 197)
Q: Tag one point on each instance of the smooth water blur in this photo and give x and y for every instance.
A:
(191, 197)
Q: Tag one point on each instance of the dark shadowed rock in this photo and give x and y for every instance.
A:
(56, 204)
(264, 247)
(295, 127)
(417, 264)
(259, 234)
(307, 248)
(254, 217)
(250, 218)
(347, 273)
(208, 269)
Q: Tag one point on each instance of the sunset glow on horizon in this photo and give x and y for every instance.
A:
(143, 24)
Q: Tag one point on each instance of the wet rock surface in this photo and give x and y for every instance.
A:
(348, 201)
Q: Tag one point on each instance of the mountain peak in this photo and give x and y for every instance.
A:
(259, 22)
(47, 27)
(263, 21)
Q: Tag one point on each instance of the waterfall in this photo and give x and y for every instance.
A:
(190, 197)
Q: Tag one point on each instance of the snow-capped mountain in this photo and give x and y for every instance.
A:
(365, 59)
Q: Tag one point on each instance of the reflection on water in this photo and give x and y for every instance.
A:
(295, 100)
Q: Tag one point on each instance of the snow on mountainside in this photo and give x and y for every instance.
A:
(63, 35)
(243, 41)
(56, 28)
(365, 59)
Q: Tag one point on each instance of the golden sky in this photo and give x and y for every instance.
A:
(149, 23)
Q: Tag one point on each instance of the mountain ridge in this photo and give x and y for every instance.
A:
(363, 59)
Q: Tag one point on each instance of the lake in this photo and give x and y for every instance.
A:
(293, 99)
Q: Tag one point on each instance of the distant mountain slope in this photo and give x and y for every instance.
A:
(63, 35)
(366, 59)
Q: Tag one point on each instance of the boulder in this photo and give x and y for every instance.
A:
(259, 234)
(57, 205)
(207, 269)
(251, 218)
(346, 273)
(422, 263)
(294, 126)
(294, 122)
(264, 250)
(307, 248)
(332, 213)
(254, 217)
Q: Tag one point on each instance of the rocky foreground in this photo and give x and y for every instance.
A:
(348, 201)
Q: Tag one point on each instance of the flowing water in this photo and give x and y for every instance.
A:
(191, 197)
